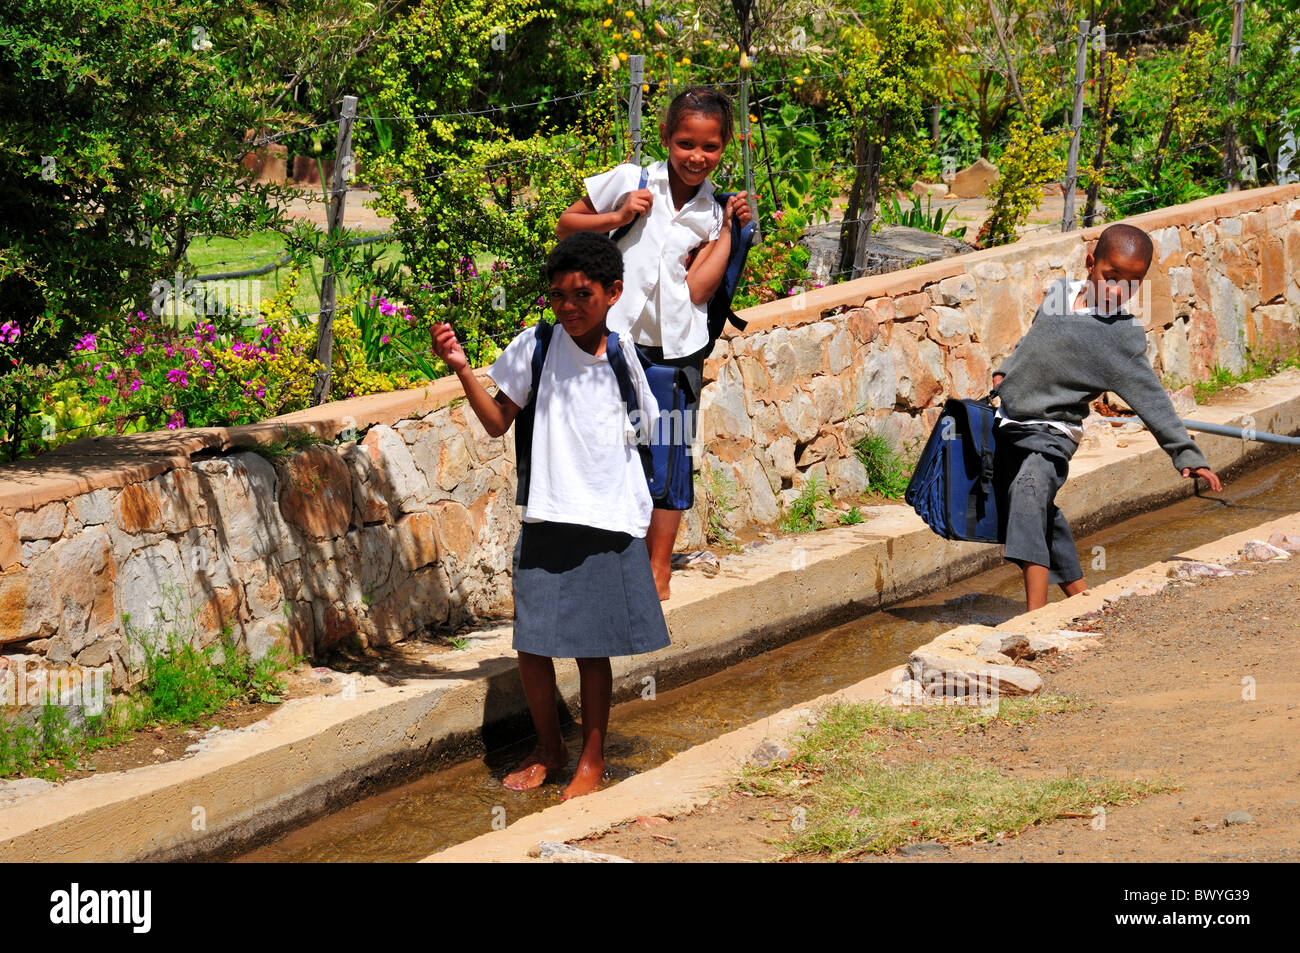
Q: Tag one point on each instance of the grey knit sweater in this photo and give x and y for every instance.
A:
(1067, 359)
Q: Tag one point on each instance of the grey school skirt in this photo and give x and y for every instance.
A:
(584, 593)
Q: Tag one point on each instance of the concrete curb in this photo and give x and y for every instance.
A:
(313, 755)
(690, 779)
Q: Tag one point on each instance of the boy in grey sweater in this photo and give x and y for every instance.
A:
(1081, 342)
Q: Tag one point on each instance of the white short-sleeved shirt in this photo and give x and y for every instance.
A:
(656, 307)
(586, 468)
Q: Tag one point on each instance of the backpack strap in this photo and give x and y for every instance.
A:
(524, 419)
(627, 392)
(984, 448)
(618, 233)
(720, 310)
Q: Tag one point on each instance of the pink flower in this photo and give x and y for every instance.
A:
(384, 339)
(87, 343)
(135, 386)
(176, 421)
(178, 377)
(10, 332)
(104, 399)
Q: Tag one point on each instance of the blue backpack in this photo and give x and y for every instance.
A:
(675, 388)
(527, 415)
(952, 486)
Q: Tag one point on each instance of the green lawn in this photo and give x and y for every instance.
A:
(216, 255)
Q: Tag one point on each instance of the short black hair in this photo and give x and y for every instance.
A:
(1128, 241)
(591, 253)
(707, 101)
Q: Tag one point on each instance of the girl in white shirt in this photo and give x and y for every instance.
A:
(581, 574)
(675, 254)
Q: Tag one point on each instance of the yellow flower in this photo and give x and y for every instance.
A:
(806, 71)
(629, 14)
(623, 57)
(636, 34)
(686, 61)
(608, 22)
(753, 118)
(645, 87)
(744, 61)
(618, 36)
(708, 42)
(798, 80)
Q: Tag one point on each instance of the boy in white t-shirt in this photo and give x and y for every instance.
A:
(581, 579)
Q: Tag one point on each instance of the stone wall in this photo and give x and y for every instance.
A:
(404, 521)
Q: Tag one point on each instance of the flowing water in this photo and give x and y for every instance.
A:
(455, 804)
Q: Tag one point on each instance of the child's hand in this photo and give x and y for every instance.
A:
(738, 207)
(448, 348)
(636, 203)
(1207, 475)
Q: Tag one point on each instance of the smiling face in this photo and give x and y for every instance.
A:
(694, 147)
(580, 305)
(1113, 279)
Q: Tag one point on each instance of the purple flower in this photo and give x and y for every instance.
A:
(384, 339)
(10, 332)
(176, 421)
(87, 343)
(135, 386)
(104, 399)
(178, 377)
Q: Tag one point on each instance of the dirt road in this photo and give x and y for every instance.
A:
(1198, 686)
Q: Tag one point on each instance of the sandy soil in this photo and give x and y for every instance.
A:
(1167, 698)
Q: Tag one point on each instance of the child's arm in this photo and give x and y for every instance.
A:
(582, 216)
(495, 413)
(710, 262)
(1138, 387)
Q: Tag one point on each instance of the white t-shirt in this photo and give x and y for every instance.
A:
(656, 307)
(586, 468)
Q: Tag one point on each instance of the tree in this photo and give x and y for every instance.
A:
(887, 76)
(121, 144)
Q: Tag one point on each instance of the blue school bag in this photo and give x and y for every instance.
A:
(952, 485)
(527, 415)
(675, 388)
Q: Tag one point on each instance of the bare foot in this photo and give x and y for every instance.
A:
(589, 777)
(532, 771)
(662, 577)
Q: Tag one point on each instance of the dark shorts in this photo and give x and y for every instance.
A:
(584, 593)
(683, 437)
(1032, 463)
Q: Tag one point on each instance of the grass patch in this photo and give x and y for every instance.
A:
(887, 470)
(720, 493)
(855, 803)
(1256, 367)
(53, 746)
(182, 684)
(802, 515)
(278, 451)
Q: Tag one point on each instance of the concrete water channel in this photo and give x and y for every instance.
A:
(452, 805)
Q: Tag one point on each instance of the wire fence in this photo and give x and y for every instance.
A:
(620, 139)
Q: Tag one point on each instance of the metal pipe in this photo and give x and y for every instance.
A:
(1222, 430)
